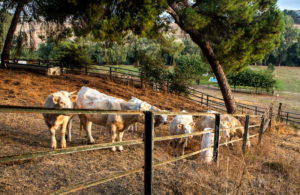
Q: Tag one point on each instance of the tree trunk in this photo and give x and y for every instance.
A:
(10, 34)
(219, 73)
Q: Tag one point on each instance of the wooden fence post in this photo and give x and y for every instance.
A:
(148, 148)
(287, 118)
(245, 136)
(216, 137)
(207, 99)
(110, 73)
(86, 69)
(279, 111)
(270, 116)
(261, 129)
(255, 110)
(201, 98)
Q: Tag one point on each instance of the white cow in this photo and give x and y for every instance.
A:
(207, 142)
(181, 124)
(158, 119)
(92, 99)
(228, 126)
(60, 99)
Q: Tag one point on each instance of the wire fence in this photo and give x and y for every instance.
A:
(149, 142)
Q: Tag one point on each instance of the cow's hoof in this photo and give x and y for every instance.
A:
(63, 145)
(120, 148)
(113, 148)
(53, 146)
(92, 141)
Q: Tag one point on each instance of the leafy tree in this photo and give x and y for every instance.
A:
(231, 34)
(191, 67)
(71, 54)
(5, 19)
(289, 36)
(293, 55)
(294, 14)
(252, 78)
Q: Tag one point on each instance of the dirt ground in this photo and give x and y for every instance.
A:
(271, 168)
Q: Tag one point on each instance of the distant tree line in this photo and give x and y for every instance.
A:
(288, 51)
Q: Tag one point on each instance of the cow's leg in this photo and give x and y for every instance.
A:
(82, 121)
(113, 136)
(184, 145)
(53, 139)
(52, 132)
(88, 128)
(63, 143)
(120, 148)
(70, 124)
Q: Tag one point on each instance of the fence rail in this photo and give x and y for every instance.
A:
(149, 141)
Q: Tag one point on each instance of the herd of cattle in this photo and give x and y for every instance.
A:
(88, 98)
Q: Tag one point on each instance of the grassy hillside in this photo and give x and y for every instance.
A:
(287, 78)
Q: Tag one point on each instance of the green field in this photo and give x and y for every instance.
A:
(287, 78)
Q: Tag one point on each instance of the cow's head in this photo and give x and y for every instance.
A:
(64, 99)
(186, 128)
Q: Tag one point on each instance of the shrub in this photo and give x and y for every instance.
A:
(252, 78)
(190, 67)
(71, 54)
(153, 70)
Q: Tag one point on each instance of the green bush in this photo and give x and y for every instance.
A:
(71, 54)
(153, 70)
(252, 78)
(190, 67)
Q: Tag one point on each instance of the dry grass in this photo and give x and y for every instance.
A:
(270, 168)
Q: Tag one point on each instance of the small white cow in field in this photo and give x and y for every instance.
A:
(53, 71)
(207, 142)
(92, 99)
(158, 119)
(60, 99)
(181, 124)
(228, 126)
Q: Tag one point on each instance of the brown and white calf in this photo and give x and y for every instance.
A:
(60, 99)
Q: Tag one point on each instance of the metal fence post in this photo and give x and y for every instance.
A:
(216, 137)
(245, 136)
(148, 147)
(261, 129)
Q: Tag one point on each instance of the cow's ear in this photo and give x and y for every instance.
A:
(55, 99)
(179, 126)
(73, 98)
(193, 124)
